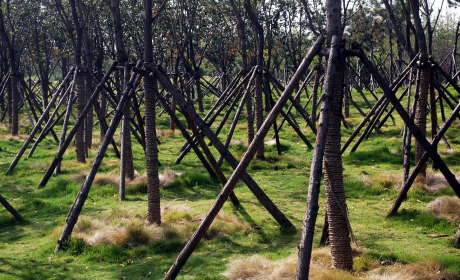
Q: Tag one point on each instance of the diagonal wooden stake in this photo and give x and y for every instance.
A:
(240, 169)
(35, 129)
(190, 113)
(73, 131)
(308, 228)
(423, 159)
(82, 195)
(11, 209)
(450, 177)
(213, 117)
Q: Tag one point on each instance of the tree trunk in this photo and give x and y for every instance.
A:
(422, 111)
(173, 101)
(89, 118)
(333, 181)
(250, 119)
(333, 173)
(14, 104)
(259, 109)
(45, 90)
(81, 103)
(151, 151)
(10, 102)
(199, 94)
(425, 78)
(258, 102)
(126, 129)
(346, 96)
(103, 102)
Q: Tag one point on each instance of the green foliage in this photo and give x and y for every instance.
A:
(176, 216)
(189, 180)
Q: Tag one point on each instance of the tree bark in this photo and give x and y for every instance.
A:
(151, 150)
(422, 109)
(258, 102)
(14, 103)
(81, 103)
(308, 228)
(425, 76)
(333, 171)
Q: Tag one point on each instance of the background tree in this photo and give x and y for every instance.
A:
(15, 27)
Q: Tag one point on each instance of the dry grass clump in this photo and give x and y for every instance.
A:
(271, 142)
(167, 132)
(113, 178)
(9, 137)
(238, 143)
(257, 267)
(117, 229)
(386, 181)
(223, 224)
(122, 227)
(4, 126)
(167, 176)
(426, 270)
(39, 165)
(433, 183)
(445, 207)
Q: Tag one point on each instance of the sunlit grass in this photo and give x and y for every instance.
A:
(112, 239)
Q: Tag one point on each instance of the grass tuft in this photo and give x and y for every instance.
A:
(260, 267)
(445, 207)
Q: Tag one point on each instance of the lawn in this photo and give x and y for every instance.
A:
(111, 240)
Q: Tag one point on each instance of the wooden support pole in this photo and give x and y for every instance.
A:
(82, 195)
(241, 168)
(247, 179)
(187, 136)
(11, 209)
(48, 124)
(46, 130)
(296, 104)
(417, 168)
(308, 227)
(305, 82)
(34, 130)
(213, 118)
(236, 117)
(74, 129)
(450, 177)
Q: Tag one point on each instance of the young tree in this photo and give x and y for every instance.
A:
(244, 57)
(15, 27)
(127, 165)
(151, 150)
(332, 161)
(75, 27)
(258, 104)
(425, 80)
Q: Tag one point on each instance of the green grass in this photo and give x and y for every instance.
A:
(27, 247)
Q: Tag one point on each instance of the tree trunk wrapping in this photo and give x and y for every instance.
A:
(259, 110)
(151, 151)
(14, 104)
(333, 180)
(422, 111)
(81, 103)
